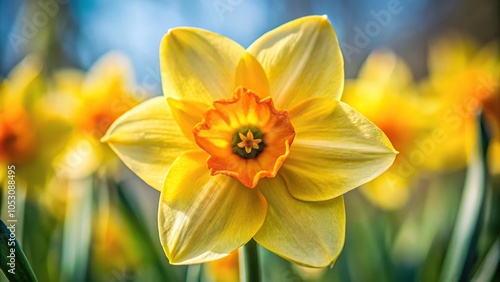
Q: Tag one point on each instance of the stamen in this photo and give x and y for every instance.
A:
(248, 142)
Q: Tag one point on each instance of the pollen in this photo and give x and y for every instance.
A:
(248, 142)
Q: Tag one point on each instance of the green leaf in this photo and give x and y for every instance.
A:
(13, 262)
(464, 235)
(489, 265)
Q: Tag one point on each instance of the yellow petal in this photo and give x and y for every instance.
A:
(22, 82)
(198, 65)
(390, 190)
(223, 270)
(203, 217)
(187, 114)
(336, 149)
(53, 134)
(68, 81)
(302, 59)
(148, 140)
(111, 75)
(395, 110)
(385, 69)
(450, 54)
(251, 75)
(307, 233)
(80, 158)
(488, 58)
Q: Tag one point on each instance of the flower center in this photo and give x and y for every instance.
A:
(98, 118)
(245, 136)
(17, 137)
(248, 142)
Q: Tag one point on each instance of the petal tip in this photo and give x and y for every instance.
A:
(172, 30)
(104, 139)
(171, 33)
(173, 261)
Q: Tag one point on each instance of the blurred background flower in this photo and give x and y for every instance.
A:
(31, 132)
(421, 70)
(92, 102)
(386, 94)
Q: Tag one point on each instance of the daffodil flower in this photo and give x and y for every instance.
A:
(385, 93)
(31, 132)
(111, 248)
(286, 193)
(225, 269)
(93, 102)
(463, 80)
(17, 129)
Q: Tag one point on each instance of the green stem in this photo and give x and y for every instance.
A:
(77, 230)
(249, 262)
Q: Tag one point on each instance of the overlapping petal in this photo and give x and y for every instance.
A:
(252, 76)
(187, 114)
(203, 217)
(337, 147)
(302, 59)
(308, 233)
(198, 65)
(148, 140)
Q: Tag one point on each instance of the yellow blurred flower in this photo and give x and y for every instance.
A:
(225, 269)
(31, 132)
(491, 108)
(17, 135)
(385, 93)
(93, 101)
(463, 80)
(284, 90)
(113, 244)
